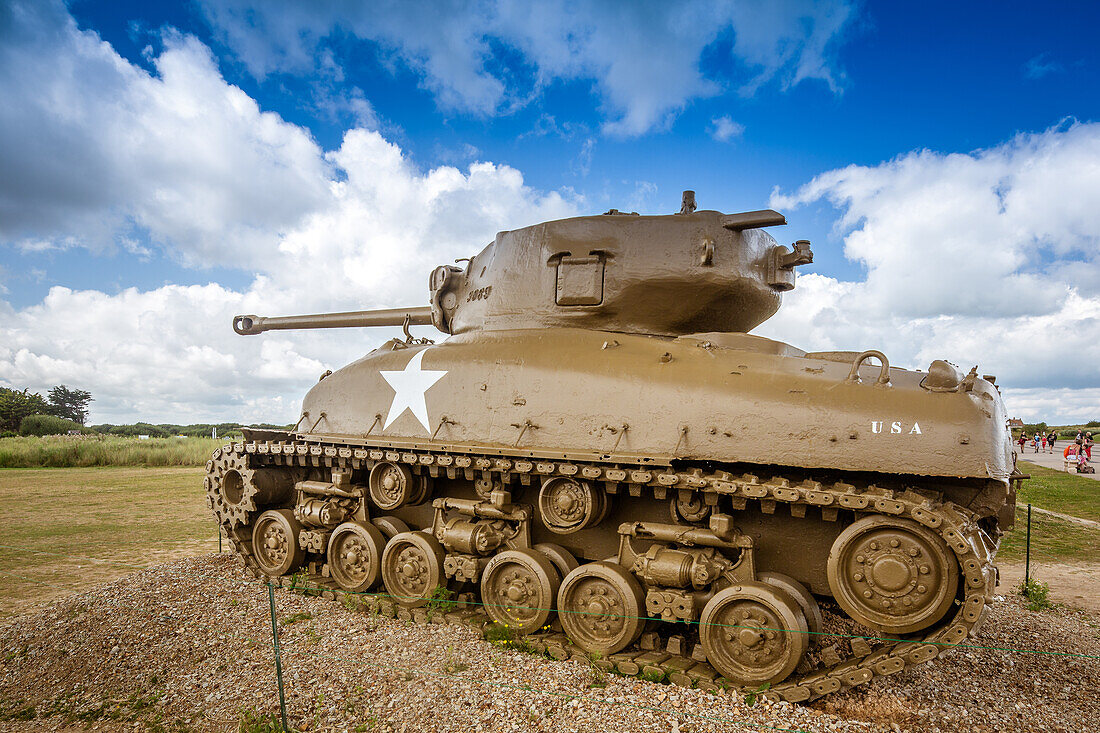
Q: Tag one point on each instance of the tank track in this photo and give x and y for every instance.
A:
(834, 666)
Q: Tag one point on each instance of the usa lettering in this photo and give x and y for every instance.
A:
(897, 427)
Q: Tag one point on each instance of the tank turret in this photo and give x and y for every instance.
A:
(691, 272)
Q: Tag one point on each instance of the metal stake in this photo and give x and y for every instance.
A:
(1027, 562)
(278, 659)
(219, 538)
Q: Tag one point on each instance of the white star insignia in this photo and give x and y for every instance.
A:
(410, 386)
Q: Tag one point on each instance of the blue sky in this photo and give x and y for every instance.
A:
(164, 164)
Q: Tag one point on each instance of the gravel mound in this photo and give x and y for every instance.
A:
(187, 647)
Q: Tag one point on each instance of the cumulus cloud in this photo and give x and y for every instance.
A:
(643, 57)
(723, 129)
(984, 258)
(90, 144)
(374, 226)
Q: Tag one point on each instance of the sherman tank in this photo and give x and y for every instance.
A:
(600, 456)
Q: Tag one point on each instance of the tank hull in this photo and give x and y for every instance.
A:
(748, 401)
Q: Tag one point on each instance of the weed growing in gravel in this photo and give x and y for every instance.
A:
(597, 674)
(442, 600)
(298, 581)
(653, 675)
(751, 695)
(296, 617)
(17, 711)
(369, 724)
(254, 722)
(16, 654)
(1037, 594)
(506, 636)
(452, 665)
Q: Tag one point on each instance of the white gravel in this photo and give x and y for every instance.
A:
(187, 646)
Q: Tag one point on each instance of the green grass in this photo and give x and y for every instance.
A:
(1052, 539)
(58, 451)
(1062, 492)
(130, 516)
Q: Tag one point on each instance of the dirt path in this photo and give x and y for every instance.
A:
(1074, 584)
(1068, 517)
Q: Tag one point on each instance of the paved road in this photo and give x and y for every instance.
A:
(1054, 460)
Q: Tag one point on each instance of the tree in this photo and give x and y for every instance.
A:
(15, 405)
(71, 404)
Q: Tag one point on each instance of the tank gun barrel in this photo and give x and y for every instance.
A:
(251, 325)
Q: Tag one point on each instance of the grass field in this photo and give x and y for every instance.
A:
(100, 522)
(1054, 538)
(1057, 491)
(63, 451)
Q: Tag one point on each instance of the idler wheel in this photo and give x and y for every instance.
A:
(568, 505)
(355, 556)
(892, 575)
(600, 606)
(519, 588)
(412, 568)
(806, 602)
(562, 558)
(275, 542)
(390, 526)
(391, 485)
(753, 633)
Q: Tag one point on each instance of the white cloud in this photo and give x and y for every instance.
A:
(374, 227)
(985, 258)
(90, 145)
(644, 57)
(723, 129)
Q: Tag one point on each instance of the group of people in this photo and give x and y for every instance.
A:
(1039, 443)
(1079, 450)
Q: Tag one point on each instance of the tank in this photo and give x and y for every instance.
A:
(599, 456)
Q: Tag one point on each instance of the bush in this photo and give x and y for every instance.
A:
(46, 425)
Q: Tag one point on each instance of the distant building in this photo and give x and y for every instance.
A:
(1015, 423)
(143, 437)
(74, 432)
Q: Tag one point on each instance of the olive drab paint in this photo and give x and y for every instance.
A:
(601, 438)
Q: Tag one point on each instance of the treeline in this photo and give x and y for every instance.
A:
(165, 430)
(1062, 431)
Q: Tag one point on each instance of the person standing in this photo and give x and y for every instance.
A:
(1087, 445)
(1043, 441)
(1051, 439)
(1022, 440)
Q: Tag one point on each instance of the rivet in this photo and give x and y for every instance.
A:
(894, 543)
(866, 594)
